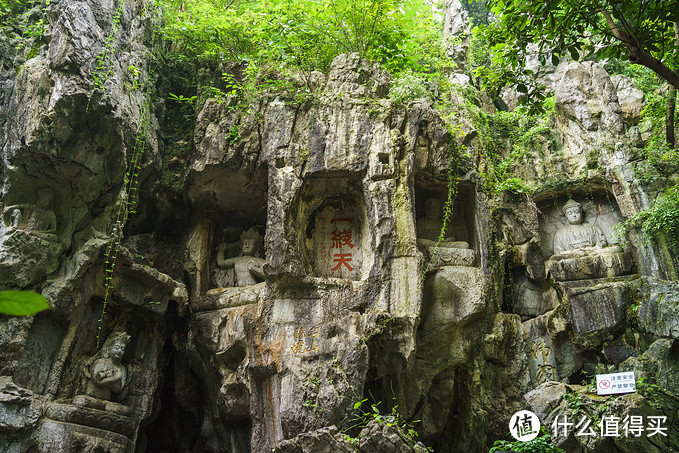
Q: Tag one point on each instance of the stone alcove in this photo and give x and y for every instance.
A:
(336, 246)
(335, 239)
(461, 232)
(229, 233)
(599, 209)
(226, 205)
(585, 246)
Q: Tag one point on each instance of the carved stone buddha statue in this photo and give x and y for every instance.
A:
(581, 250)
(248, 266)
(447, 252)
(577, 235)
(106, 375)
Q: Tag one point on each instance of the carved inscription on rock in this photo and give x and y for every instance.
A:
(305, 339)
(543, 363)
(337, 245)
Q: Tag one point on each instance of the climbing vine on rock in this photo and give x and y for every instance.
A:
(102, 72)
(127, 207)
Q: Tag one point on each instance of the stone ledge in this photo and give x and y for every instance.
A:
(599, 265)
(95, 418)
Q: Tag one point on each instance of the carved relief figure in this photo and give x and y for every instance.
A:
(248, 266)
(106, 375)
(581, 250)
(577, 235)
(36, 219)
(449, 252)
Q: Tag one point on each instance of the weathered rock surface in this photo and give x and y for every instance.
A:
(630, 97)
(346, 308)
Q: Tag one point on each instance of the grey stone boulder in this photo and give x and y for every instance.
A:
(630, 97)
(17, 408)
(659, 310)
(323, 440)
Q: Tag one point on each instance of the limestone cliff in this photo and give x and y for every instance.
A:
(271, 339)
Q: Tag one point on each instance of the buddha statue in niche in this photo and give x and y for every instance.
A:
(577, 238)
(248, 265)
(449, 252)
(105, 375)
(581, 250)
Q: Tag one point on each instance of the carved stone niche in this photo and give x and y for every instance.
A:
(226, 202)
(238, 257)
(578, 234)
(336, 239)
(460, 243)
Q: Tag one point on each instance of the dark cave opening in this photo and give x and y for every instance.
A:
(177, 425)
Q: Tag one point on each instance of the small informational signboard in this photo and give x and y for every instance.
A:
(615, 383)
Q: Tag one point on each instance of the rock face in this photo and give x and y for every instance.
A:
(355, 323)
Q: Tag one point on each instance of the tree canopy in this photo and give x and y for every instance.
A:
(306, 34)
(643, 31)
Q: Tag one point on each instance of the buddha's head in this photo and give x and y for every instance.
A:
(573, 212)
(117, 345)
(251, 242)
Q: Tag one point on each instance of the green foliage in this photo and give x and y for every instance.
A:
(22, 303)
(298, 36)
(479, 53)
(541, 444)
(478, 13)
(509, 140)
(373, 413)
(182, 99)
(661, 219)
(651, 391)
(553, 29)
(515, 185)
(652, 120)
(409, 86)
(576, 404)
(11, 10)
(103, 68)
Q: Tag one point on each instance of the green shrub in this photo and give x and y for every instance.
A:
(407, 87)
(662, 218)
(541, 444)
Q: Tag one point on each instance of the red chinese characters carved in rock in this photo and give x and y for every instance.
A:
(341, 239)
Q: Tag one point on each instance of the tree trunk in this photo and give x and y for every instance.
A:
(671, 101)
(669, 117)
(638, 55)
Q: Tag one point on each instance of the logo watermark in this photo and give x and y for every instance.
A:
(612, 426)
(524, 426)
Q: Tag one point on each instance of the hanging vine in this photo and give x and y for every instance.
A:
(453, 180)
(101, 73)
(126, 208)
